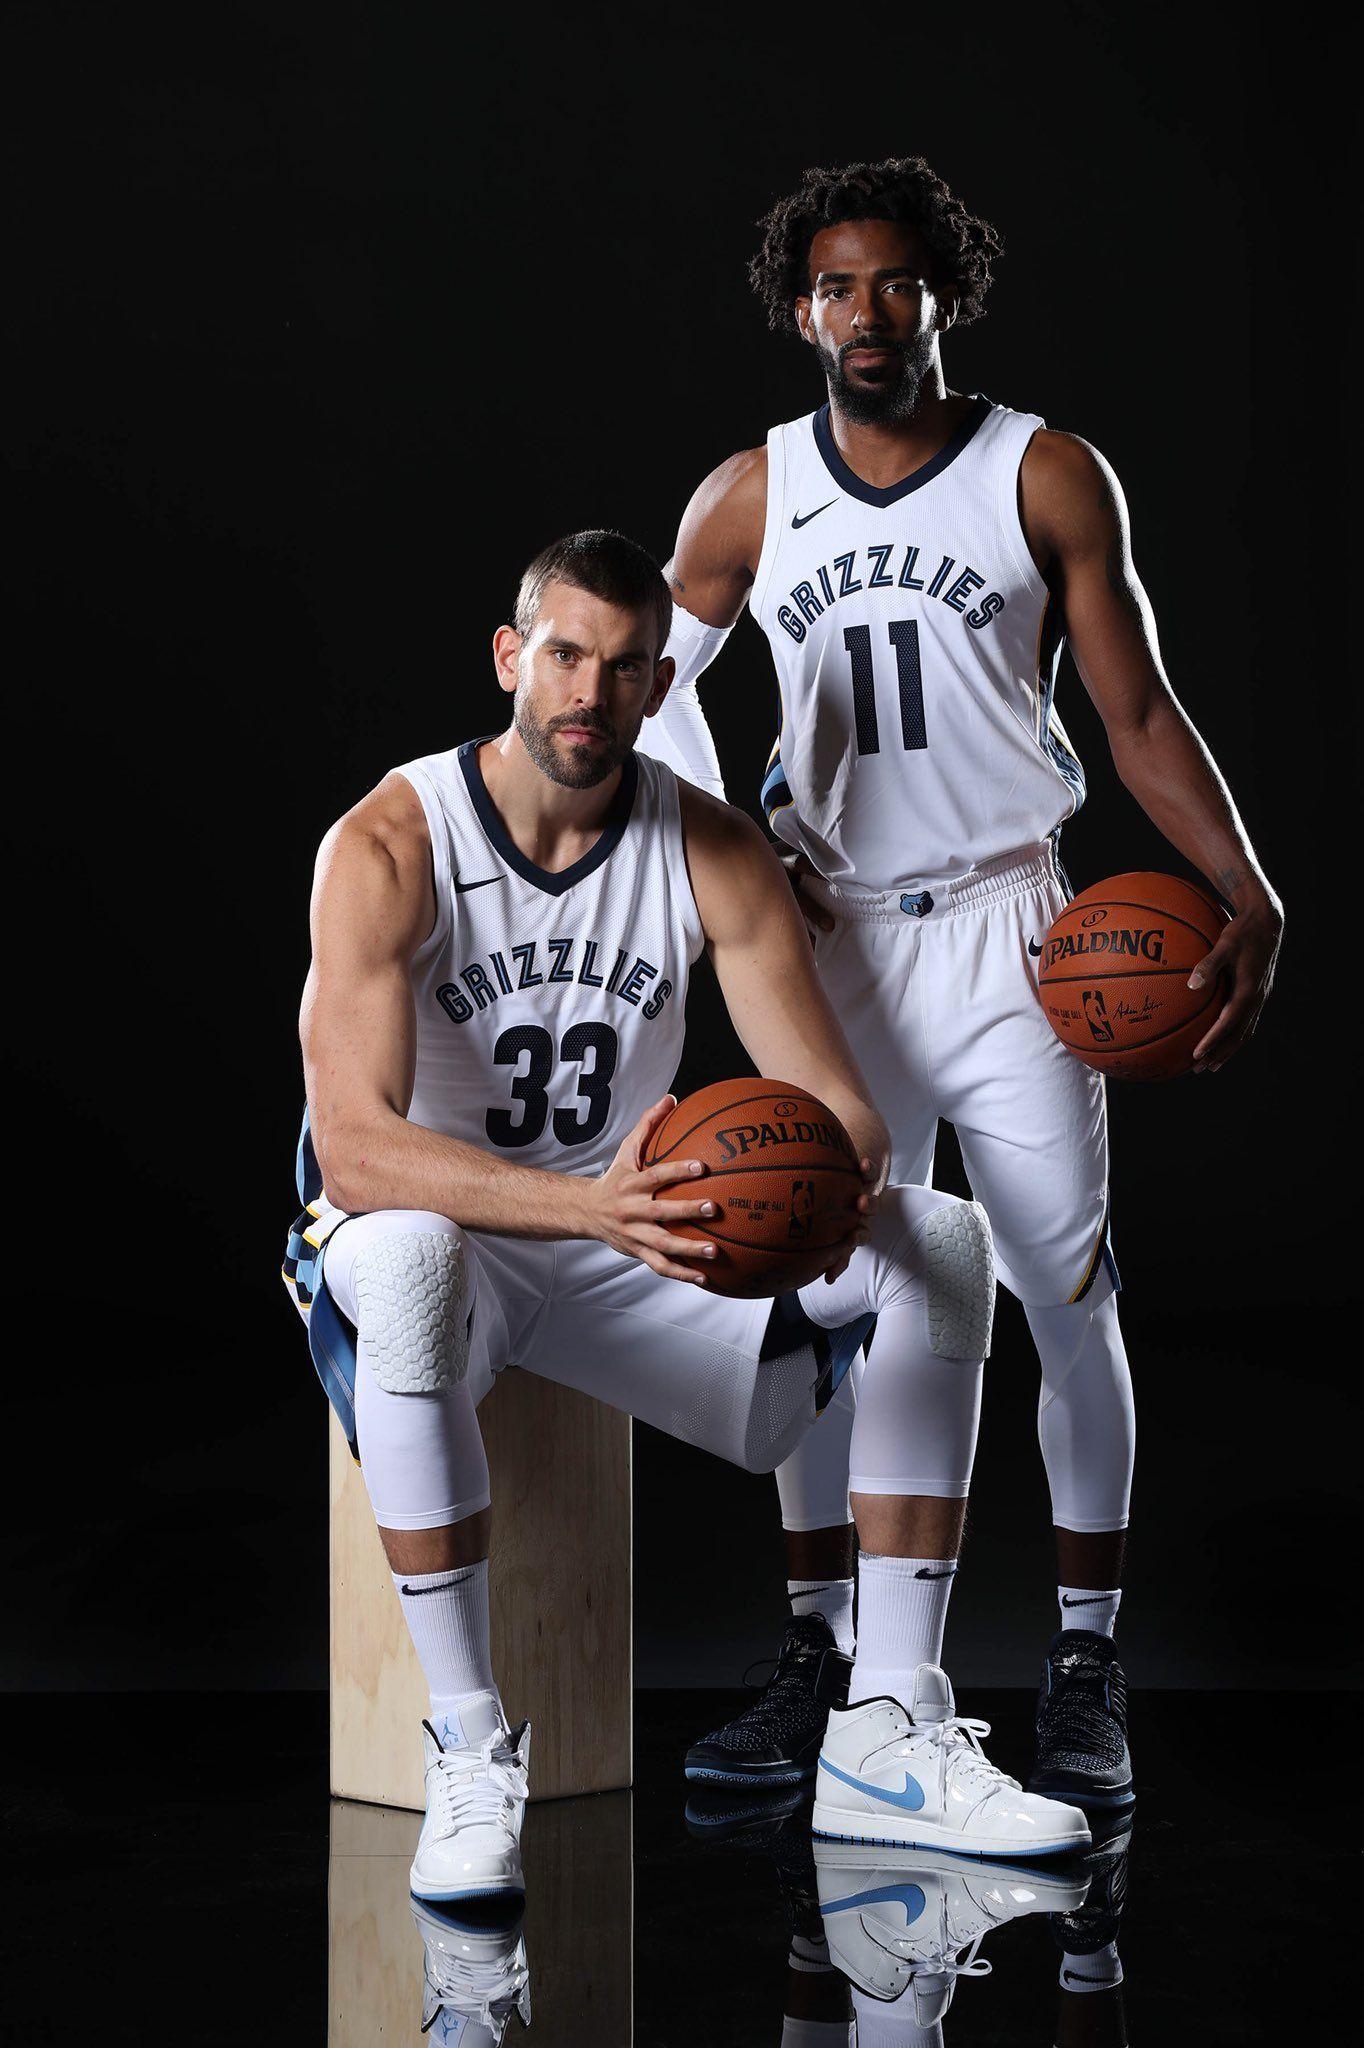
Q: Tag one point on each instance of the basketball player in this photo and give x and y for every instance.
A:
(502, 937)
(916, 557)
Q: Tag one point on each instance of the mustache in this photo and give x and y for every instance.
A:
(851, 348)
(583, 721)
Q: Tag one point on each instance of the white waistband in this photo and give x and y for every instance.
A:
(1009, 874)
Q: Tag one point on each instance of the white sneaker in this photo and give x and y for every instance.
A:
(919, 1778)
(476, 1785)
(912, 1920)
(477, 1976)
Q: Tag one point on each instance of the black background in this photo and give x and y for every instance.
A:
(326, 324)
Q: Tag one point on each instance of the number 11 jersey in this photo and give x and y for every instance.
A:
(916, 650)
(550, 1007)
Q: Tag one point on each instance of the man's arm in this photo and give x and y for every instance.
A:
(712, 568)
(1076, 522)
(720, 540)
(373, 905)
(766, 970)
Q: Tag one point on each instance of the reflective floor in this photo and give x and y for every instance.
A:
(174, 1871)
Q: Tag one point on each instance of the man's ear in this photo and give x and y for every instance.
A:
(948, 301)
(507, 645)
(803, 305)
(663, 682)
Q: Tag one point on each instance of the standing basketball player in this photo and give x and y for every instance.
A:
(502, 937)
(916, 557)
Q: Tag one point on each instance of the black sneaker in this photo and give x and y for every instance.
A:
(1082, 1723)
(776, 1740)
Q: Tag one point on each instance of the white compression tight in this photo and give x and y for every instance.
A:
(421, 1454)
(1086, 1424)
(917, 1398)
(917, 1406)
(812, 1483)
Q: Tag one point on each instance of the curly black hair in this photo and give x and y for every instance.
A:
(901, 188)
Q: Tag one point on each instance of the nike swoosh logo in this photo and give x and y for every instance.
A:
(937, 1575)
(1101, 1601)
(911, 1799)
(804, 518)
(1074, 1977)
(462, 888)
(908, 1895)
(1034, 949)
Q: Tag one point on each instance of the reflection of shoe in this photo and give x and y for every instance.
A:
(470, 1844)
(775, 1823)
(914, 1917)
(476, 1976)
(776, 1740)
(921, 1778)
(1087, 1936)
(1082, 1723)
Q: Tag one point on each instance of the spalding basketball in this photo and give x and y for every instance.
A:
(1114, 978)
(780, 1169)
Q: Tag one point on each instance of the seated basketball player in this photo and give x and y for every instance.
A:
(502, 936)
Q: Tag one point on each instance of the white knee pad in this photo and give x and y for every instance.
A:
(959, 1280)
(412, 1295)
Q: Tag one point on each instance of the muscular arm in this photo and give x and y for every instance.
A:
(766, 970)
(1075, 518)
(720, 540)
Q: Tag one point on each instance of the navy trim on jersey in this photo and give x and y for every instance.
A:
(617, 818)
(1050, 643)
(870, 494)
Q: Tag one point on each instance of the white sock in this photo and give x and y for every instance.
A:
(815, 2033)
(892, 2026)
(447, 1617)
(833, 1598)
(901, 1615)
(1089, 1607)
(1099, 1971)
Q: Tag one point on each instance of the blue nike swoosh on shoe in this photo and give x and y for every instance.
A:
(912, 1798)
(907, 1895)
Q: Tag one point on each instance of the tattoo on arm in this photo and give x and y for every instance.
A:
(1229, 880)
(678, 585)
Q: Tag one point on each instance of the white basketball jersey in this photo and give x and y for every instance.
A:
(916, 654)
(550, 1006)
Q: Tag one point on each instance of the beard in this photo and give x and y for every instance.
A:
(894, 395)
(576, 767)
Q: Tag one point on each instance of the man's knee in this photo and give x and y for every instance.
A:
(959, 1280)
(413, 1300)
(943, 1247)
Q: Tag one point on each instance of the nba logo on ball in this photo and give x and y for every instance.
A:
(802, 1208)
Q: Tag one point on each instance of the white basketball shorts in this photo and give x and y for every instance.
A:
(936, 987)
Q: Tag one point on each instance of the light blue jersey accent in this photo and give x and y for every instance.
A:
(911, 1799)
(909, 1896)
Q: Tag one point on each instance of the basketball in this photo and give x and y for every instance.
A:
(780, 1169)
(1114, 978)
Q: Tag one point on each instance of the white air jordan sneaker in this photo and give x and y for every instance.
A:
(912, 1920)
(476, 1785)
(477, 1976)
(919, 1778)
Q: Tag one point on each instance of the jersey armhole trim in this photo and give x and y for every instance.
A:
(442, 851)
(1011, 519)
(670, 803)
(772, 523)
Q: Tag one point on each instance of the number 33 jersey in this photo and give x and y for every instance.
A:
(550, 1006)
(916, 655)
